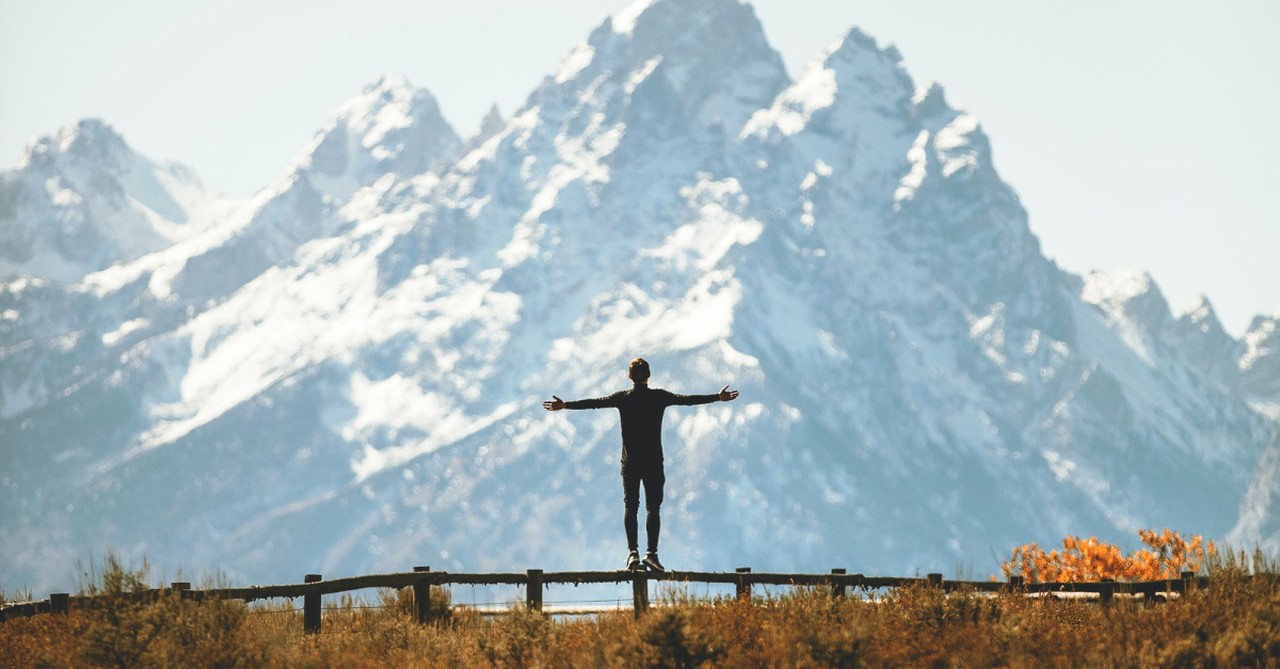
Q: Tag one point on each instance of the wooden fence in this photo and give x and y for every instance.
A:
(314, 587)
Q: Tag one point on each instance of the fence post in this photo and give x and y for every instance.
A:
(744, 587)
(59, 602)
(1107, 591)
(422, 595)
(935, 580)
(1188, 581)
(533, 592)
(180, 588)
(311, 606)
(1015, 582)
(640, 592)
(837, 588)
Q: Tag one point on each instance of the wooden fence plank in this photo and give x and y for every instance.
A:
(744, 584)
(59, 602)
(311, 606)
(422, 596)
(837, 587)
(640, 593)
(533, 589)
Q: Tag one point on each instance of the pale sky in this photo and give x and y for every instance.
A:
(1138, 133)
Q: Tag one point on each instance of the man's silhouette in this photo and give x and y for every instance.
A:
(641, 410)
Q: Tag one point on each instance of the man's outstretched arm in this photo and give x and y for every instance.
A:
(556, 404)
(725, 395)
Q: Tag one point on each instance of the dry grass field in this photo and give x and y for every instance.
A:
(1233, 622)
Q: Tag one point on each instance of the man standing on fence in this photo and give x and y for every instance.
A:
(641, 410)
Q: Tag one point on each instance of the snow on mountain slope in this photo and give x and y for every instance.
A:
(241, 240)
(1259, 365)
(1259, 524)
(83, 200)
(345, 374)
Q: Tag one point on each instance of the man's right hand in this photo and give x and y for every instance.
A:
(553, 404)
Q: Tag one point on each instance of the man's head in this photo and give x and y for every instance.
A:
(639, 370)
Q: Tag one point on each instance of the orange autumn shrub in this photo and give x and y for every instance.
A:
(1166, 556)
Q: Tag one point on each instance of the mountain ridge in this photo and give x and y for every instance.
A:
(346, 370)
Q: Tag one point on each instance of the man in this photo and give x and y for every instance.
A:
(641, 410)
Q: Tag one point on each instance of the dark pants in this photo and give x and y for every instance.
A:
(633, 475)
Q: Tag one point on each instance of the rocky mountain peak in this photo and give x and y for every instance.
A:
(390, 128)
(713, 53)
(1128, 292)
(83, 199)
(92, 141)
(490, 125)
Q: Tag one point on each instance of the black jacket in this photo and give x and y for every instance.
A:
(641, 409)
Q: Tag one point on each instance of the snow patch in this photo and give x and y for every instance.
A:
(60, 194)
(388, 408)
(128, 327)
(1258, 342)
(918, 158)
(814, 90)
(575, 63)
(1110, 292)
(954, 147)
(624, 22)
(1061, 467)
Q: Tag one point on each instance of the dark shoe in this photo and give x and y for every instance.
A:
(633, 562)
(651, 562)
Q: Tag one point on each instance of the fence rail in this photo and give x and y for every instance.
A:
(314, 587)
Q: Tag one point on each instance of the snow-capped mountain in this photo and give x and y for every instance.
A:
(83, 200)
(344, 374)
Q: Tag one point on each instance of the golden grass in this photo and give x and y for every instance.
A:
(1233, 622)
